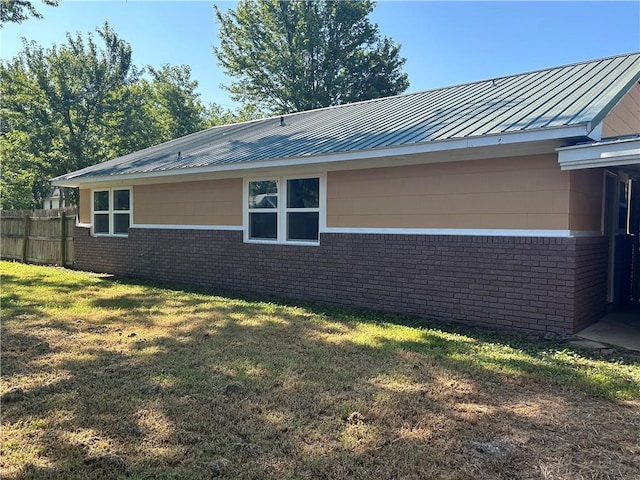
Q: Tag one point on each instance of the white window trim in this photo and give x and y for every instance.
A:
(111, 212)
(104, 212)
(282, 208)
(624, 183)
(247, 211)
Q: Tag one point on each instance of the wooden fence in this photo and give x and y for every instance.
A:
(38, 236)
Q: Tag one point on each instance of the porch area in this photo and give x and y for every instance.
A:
(620, 328)
(619, 158)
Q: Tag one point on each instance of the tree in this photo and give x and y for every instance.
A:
(59, 109)
(175, 97)
(298, 55)
(77, 82)
(134, 125)
(26, 133)
(84, 102)
(78, 104)
(21, 184)
(17, 11)
(217, 115)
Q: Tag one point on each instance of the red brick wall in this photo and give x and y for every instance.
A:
(533, 284)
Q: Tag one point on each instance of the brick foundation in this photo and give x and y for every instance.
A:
(531, 284)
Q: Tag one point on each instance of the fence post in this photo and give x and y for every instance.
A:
(63, 238)
(25, 238)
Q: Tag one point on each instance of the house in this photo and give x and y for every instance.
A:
(52, 202)
(508, 203)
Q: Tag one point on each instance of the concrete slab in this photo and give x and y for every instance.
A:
(620, 328)
(588, 344)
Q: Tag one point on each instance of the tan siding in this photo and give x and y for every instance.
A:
(522, 192)
(624, 119)
(586, 200)
(84, 206)
(209, 202)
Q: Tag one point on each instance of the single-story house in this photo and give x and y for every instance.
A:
(53, 201)
(508, 203)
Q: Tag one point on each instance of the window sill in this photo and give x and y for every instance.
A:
(275, 242)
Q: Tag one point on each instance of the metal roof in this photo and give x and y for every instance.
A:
(565, 96)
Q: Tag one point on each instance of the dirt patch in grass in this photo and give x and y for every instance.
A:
(102, 379)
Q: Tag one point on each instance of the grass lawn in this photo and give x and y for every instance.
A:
(110, 379)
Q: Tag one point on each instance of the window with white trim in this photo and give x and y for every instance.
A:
(285, 210)
(263, 210)
(303, 209)
(111, 211)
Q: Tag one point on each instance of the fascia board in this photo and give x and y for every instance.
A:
(605, 154)
(630, 78)
(596, 163)
(575, 131)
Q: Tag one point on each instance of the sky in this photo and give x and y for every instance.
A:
(445, 43)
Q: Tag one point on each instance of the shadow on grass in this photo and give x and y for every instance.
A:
(265, 391)
(532, 344)
(19, 350)
(221, 395)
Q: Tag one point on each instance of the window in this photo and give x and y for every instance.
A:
(101, 212)
(111, 211)
(263, 210)
(283, 210)
(303, 209)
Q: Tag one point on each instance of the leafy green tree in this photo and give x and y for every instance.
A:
(217, 115)
(134, 125)
(17, 11)
(78, 104)
(84, 102)
(78, 81)
(21, 181)
(26, 133)
(298, 55)
(174, 94)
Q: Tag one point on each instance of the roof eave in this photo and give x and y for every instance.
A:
(581, 130)
(610, 153)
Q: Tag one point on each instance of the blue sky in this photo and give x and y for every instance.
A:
(445, 43)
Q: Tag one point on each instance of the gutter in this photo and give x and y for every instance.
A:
(608, 153)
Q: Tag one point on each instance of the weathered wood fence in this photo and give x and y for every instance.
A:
(38, 236)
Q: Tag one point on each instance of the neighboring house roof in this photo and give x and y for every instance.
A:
(561, 102)
(55, 194)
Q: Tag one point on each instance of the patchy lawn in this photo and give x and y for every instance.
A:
(107, 379)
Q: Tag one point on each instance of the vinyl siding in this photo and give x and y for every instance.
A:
(624, 119)
(509, 193)
(209, 202)
(528, 192)
(84, 214)
(585, 203)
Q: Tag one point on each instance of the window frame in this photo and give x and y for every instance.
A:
(283, 210)
(260, 211)
(111, 212)
(623, 206)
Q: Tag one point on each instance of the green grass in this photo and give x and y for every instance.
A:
(111, 379)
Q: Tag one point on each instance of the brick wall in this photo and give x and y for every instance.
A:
(533, 284)
(590, 256)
